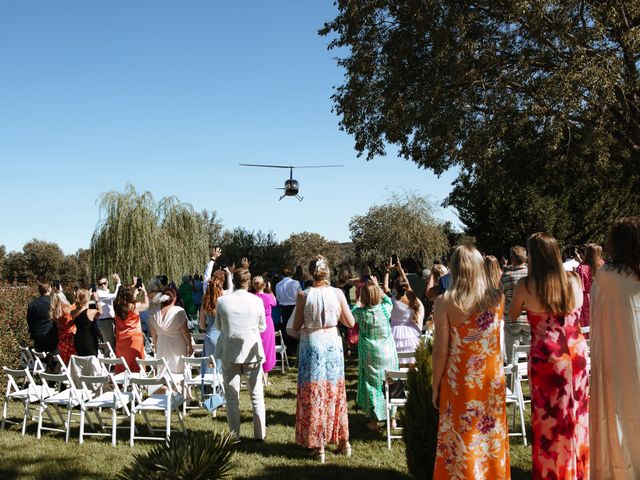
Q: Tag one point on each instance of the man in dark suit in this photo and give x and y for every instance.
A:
(41, 327)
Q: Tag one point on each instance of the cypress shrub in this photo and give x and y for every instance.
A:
(420, 418)
(202, 456)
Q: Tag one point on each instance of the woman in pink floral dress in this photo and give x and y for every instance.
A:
(557, 364)
(587, 272)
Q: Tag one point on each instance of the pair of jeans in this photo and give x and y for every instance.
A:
(231, 375)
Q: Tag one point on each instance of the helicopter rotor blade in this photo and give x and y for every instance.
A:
(263, 166)
(318, 166)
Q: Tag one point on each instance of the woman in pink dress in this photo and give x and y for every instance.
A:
(262, 290)
(558, 372)
(587, 272)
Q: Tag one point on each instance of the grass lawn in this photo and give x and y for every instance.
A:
(277, 458)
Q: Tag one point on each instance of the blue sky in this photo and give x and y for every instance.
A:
(170, 96)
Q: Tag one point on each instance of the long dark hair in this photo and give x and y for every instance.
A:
(553, 288)
(124, 298)
(623, 245)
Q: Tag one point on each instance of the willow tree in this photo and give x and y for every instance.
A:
(405, 226)
(138, 236)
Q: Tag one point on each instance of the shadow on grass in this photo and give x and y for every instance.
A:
(518, 473)
(322, 472)
(14, 465)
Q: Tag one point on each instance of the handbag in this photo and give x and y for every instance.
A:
(353, 335)
(213, 402)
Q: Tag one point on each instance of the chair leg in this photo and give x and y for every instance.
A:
(68, 425)
(4, 415)
(388, 427)
(132, 426)
(40, 412)
(82, 414)
(114, 422)
(167, 415)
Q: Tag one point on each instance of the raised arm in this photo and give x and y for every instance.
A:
(142, 306)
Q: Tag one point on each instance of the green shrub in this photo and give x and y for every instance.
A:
(13, 323)
(200, 456)
(420, 418)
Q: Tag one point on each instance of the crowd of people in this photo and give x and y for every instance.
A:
(583, 414)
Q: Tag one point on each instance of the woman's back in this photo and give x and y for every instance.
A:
(322, 308)
(472, 401)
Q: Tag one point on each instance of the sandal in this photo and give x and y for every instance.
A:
(344, 450)
(318, 454)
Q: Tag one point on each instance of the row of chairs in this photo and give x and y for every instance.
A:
(126, 394)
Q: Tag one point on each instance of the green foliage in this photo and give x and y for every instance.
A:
(262, 249)
(13, 323)
(404, 226)
(3, 254)
(420, 418)
(214, 227)
(200, 456)
(300, 248)
(539, 102)
(138, 236)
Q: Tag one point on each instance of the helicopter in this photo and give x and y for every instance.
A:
(291, 186)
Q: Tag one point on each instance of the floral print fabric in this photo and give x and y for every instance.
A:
(321, 411)
(559, 397)
(473, 439)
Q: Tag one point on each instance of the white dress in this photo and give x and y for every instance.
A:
(170, 343)
(406, 333)
(614, 415)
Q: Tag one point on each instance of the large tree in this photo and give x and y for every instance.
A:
(262, 249)
(448, 82)
(38, 260)
(405, 226)
(300, 248)
(138, 236)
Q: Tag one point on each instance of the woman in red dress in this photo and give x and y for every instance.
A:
(61, 315)
(129, 338)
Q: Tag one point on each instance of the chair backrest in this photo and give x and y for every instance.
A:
(18, 379)
(109, 363)
(197, 338)
(394, 375)
(105, 350)
(279, 337)
(25, 357)
(39, 360)
(53, 383)
(406, 356)
(519, 352)
(159, 368)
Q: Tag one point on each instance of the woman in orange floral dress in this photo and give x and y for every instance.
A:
(468, 381)
(129, 338)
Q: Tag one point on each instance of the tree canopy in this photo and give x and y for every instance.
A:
(300, 248)
(404, 226)
(138, 236)
(538, 102)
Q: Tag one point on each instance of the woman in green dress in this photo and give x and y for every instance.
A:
(376, 350)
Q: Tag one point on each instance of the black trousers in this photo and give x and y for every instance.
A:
(290, 342)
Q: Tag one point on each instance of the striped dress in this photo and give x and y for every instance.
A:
(376, 353)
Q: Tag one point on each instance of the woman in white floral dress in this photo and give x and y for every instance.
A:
(468, 382)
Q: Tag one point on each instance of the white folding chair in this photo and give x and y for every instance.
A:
(406, 358)
(281, 350)
(391, 404)
(25, 357)
(122, 378)
(39, 360)
(170, 400)
(21, 387)
(515, 397)
(62, 395)
(109, 396)
(585, 331)
(520, 352)
(105, 350)
(212, 379)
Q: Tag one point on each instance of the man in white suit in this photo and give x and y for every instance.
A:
(240, 317)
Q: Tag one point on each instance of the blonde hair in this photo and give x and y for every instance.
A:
(553, 288)
(257, 283)
(592, 256)
(57, 300)
(319, 269)
(370, 294)
(470, 289)
(82, 297)
(493, 270)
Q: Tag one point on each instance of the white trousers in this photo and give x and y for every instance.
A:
(231, 376)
